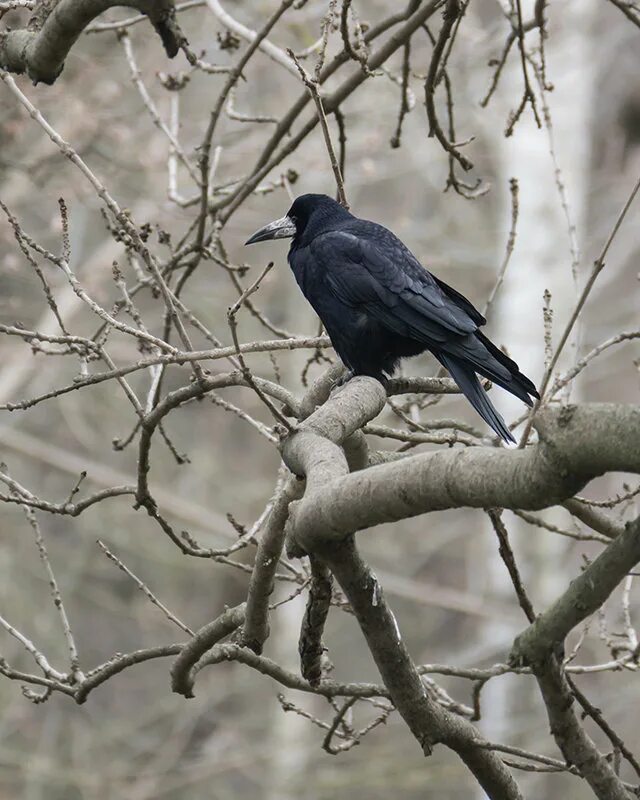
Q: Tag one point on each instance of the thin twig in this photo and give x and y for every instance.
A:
(246, 372)
(506, 553)
(511, 241)
(312, 86)
(143, 588)
(598, 266)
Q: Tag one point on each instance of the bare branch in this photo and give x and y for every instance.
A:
(583, 597)
(182, 669)
(310, 647)
(312, 86)
(336, 504)
(42, 49)
(582, 299)
(255, 629)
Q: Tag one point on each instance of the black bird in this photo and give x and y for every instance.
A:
(379, 304)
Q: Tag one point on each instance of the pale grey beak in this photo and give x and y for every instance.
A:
(282, 228)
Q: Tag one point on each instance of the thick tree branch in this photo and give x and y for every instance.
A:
(583, 597)
(40, 50)
(429, 722)
(256, 624)
(313, 450)
(576, 745)
(336, 504)
(577, 443)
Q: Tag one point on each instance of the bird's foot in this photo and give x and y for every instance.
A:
(344, 378)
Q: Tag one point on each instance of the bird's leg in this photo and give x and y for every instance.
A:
(349, 373)
(344, 378)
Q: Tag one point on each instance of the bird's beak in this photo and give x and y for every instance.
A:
(279, 229)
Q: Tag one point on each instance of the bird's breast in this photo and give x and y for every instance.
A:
(306, 272)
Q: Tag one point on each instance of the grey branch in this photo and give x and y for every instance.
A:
(336, 504)
(583, 597)
(204, 639)
(576, 745)
(427, 720)
(229, 651)
(256, 624)
(577, 443)
(314, 449)
(41, 48)
(310, 645)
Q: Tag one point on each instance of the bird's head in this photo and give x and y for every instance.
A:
(309, 215)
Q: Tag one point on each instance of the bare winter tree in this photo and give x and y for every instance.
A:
(107, 337)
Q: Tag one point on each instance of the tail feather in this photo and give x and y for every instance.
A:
(520, 380)
(485, 358)
(467, 380)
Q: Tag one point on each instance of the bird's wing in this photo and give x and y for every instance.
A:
(372, 269)
(461, 300)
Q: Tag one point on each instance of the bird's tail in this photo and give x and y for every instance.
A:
(467, 380)
(480, 354)
(518, 384)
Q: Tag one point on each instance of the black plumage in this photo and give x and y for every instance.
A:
(379, 304)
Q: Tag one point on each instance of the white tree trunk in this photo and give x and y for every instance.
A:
(542, 260)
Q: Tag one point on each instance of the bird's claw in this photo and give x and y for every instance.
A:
(344, 378)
